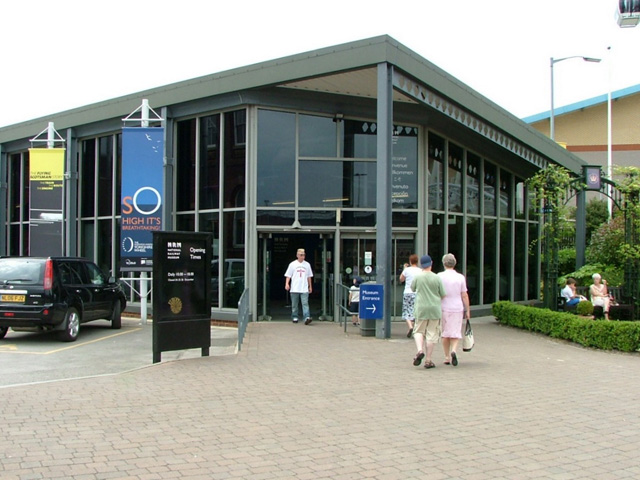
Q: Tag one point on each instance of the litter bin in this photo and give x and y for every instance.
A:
(367, 327)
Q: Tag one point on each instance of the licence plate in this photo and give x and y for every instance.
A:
(12, 298)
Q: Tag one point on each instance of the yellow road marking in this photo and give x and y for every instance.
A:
(13, 348)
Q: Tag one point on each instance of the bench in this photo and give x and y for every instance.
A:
(623, 311)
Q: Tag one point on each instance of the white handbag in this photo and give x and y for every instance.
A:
(467, 341)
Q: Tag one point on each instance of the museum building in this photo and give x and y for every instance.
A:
(286, 154)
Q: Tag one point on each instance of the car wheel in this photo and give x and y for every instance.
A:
(3, 331)
(71, 326)
(116, 316)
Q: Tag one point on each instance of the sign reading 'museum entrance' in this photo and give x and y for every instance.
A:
(181, 292)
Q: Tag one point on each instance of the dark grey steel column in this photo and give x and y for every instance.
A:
(71, 195)
(581, 222)
(168, 167)
(383, 196)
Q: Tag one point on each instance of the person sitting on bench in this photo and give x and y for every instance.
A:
(599, 294)
(569, 293)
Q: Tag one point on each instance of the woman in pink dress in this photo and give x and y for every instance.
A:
(455, 308)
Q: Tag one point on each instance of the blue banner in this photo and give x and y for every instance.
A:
(142, 195)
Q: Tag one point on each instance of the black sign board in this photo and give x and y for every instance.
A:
(181, 292)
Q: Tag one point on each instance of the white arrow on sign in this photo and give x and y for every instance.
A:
(372, 308)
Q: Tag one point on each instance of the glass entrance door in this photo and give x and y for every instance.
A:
(276, 251)
(359, 258)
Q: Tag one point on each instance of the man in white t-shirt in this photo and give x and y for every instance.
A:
(299, 284)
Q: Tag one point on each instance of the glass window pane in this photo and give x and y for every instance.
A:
(276, 158)
(359, 139)
(435, 175)
(454, 178)
(473, 183)
(209, 162)
(87, 178)
(505, 260)
(405, 168)
(15, 187)
(519, 263)
(435, 234)
(275, 217)
(186, 166)
(489, 261)
(234, 159)
(104, 245)
(232, 285)
(473, 259)
(318, 136)
(490, 174)
(456, 231)
(505, 193)
(209, 223)
(104, 193)
(520, 198)
(345, 184)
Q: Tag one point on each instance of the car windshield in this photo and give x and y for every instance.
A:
(21, 271)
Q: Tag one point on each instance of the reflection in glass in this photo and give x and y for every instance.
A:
(454, 178)
(275, 217)
(520, 198)
(435, 236)
(210, 162)
(505, 260)
(490, 174)
(234, 159)
(505, 193)
(405, 168)
(276, 159)
(232, 285)
(87, 178)
(104, 193)
(519, 262)
(344, 184)
(186, 165)
(473, 183)
(435, 175)
(473, 259)
(317, 136)
(209, 222)
(359, 139)
(456, 232)
(489, 261)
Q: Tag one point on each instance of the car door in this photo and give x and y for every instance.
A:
(74, 281)
(102, 291)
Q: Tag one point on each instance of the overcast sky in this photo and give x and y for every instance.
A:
(69, 53)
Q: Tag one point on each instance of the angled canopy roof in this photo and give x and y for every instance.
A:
(348, 69)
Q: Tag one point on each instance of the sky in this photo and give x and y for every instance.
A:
(55, 56)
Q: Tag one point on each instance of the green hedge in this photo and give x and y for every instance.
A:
(603, 334)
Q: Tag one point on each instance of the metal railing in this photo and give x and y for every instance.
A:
(243, 316)
(342, 305)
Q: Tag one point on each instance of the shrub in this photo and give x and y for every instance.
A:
(603, 334)
(584, 308)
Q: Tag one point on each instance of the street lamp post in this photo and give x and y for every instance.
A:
(552, 132)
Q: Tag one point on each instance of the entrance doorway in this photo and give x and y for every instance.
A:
(276, 251)
(358, 257)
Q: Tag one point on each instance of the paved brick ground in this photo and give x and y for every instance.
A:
(310, 402)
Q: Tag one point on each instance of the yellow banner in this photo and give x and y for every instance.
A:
(46, 164)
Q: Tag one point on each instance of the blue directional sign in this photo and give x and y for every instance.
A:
(371, 301)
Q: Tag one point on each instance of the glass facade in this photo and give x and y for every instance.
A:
(318, 171)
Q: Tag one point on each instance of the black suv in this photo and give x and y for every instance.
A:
(56, 293)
